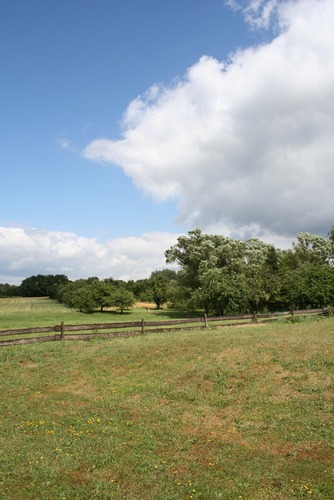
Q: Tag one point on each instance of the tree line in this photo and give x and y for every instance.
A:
(217, 274)
(223, 275)
(88, 295)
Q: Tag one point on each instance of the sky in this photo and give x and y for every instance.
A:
(124, 124)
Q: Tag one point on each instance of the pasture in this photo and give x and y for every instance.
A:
(225, 413)
(22, 312)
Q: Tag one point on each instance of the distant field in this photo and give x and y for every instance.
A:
(22, 312)
(242, 413)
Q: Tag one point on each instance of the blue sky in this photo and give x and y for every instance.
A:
(127, 123)
(71, 69)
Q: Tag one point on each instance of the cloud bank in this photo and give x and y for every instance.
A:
(246, 142)
(27, 252)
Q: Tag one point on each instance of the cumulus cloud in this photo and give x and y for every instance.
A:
(246, 142)
(26, 252)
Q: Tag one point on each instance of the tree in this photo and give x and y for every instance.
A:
(313, 248)
(260, 263)
(55, 281)
(306, 272)
(242, 262)
(123, 299)
(103, 294)
(319, 282)
(141, 289)
(190, 251)
(7, 290)
(160, 282)
(196, 250)
(42, 285)
(74, 295)
(221, 291)
(331, 240)
(83, 299)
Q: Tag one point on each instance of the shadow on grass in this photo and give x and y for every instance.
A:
(177, 314)
(164, 314)
(116, 313)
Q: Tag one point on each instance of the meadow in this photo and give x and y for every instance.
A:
(24, 312)
(221, 413)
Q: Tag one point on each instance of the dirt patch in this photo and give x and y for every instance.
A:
(27, 364)
(78, 477)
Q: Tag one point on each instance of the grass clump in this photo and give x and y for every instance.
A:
(225, 413)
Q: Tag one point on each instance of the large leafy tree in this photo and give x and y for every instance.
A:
(313, 248)
(160, 286)
(320, 285)
(103, 293)
(42, 285)
(189, 253)
(198, 252)
(213, 269)
(221, 291)
(123, 299)
(140, 288)
(262, 263)
(7, 290)
(83, 299)
(306, 273)
(92, 294)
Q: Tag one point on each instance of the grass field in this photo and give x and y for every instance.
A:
(242, 413)
(20, 312)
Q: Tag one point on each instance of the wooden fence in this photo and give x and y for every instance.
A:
(131, 328)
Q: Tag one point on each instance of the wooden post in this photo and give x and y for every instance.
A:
(206, 320)
(142, 326)
(62, 330)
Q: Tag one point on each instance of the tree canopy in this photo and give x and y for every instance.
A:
(224, 275)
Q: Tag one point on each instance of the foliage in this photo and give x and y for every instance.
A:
(221, 274)
(89, 295)
(140, 288)
(221, 292)
(7, 290)
(160, 286)
(42, 285)
(103, 293)
(123, 299)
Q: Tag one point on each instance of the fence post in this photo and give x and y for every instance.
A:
(206, 320)
(62, 330)
(142, 326)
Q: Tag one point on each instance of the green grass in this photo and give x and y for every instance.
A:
(216, 414)
(22, 312)
(29, 312)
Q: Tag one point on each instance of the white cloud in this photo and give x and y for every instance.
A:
(64, 143)
(26, 252)
(243, 143)
(257, 13)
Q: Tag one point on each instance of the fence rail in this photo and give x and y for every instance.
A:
(131, 328)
